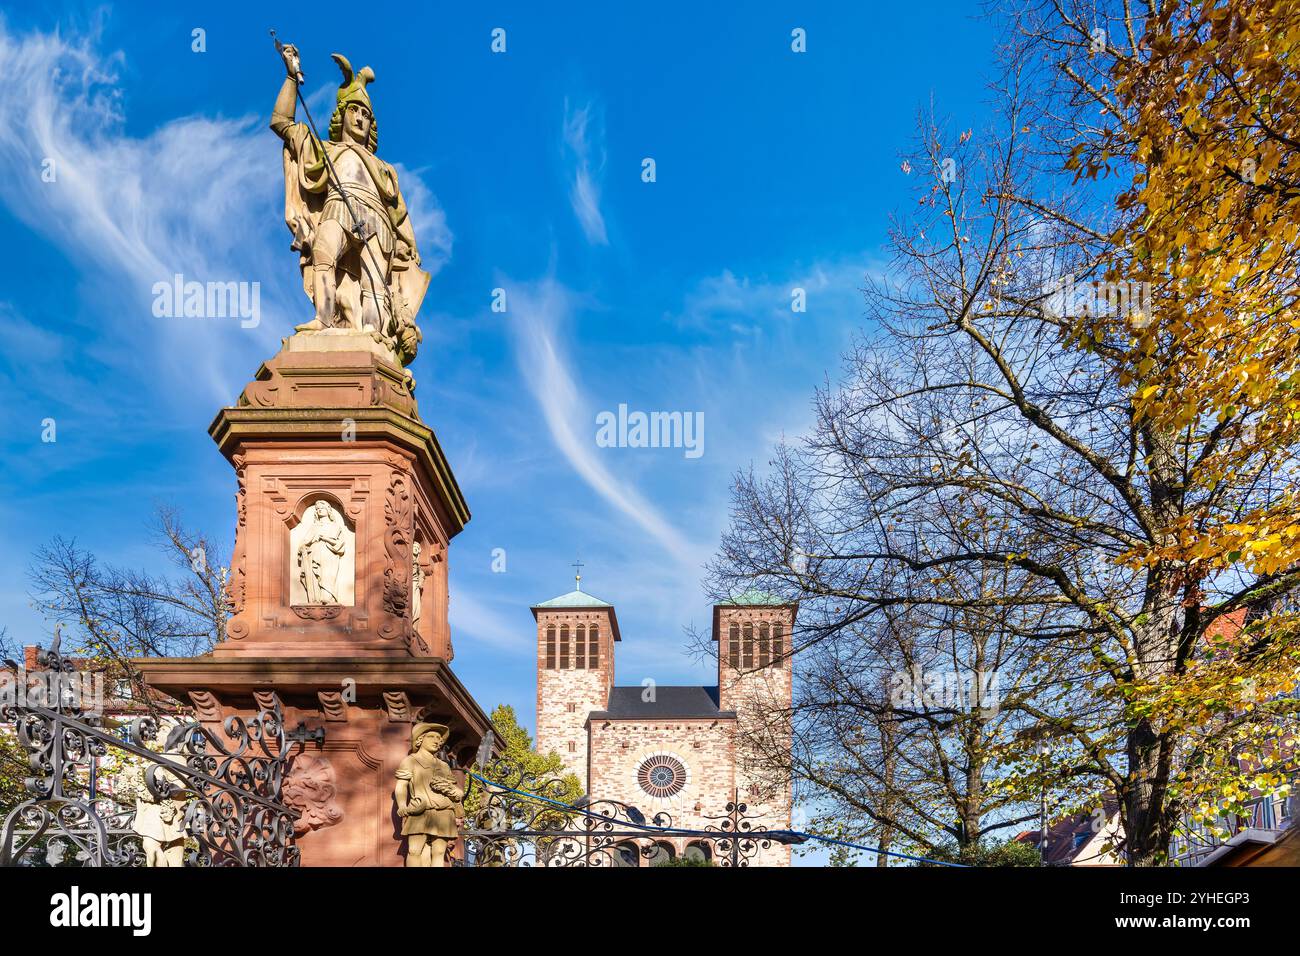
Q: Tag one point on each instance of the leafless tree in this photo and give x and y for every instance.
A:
(112, 614)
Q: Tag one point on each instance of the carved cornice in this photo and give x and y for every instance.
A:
(235, 426)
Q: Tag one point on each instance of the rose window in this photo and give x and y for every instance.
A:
(661, 776)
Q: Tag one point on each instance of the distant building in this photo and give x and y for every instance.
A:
(1090, 838)
(1266, 832)
(674, 749)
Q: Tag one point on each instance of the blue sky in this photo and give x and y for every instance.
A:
(775, 170)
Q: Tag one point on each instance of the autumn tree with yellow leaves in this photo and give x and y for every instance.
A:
(1194, 108)
(1086, 347)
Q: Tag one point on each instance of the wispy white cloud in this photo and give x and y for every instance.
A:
(472, 618)
(195, 196)
(428, 219)
(580, 128)
(537, 311)
(832, 293)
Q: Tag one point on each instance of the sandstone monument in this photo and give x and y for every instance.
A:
(345, 511)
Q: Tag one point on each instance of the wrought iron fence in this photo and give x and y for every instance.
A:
(228, 786)
(515, 819)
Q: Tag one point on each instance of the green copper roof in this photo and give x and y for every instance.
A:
(575, 599)
(754, 597)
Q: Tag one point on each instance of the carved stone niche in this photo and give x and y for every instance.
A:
(322, 556)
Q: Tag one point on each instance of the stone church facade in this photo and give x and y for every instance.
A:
(680, 750)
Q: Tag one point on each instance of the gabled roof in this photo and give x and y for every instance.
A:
(629, 703)
(579, 600)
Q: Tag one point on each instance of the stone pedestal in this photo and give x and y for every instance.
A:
(346, 508)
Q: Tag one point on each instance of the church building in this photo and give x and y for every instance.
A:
(679, 750)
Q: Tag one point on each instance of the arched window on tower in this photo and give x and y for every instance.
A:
(550, 647)
(593, 646)
(580, 649)
(747, 658)
(733, 645)
(778, 645)
(564, 647)
(764, 645)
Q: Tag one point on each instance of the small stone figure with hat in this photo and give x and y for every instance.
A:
(428, 798)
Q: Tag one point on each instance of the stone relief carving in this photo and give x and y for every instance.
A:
(397, 518)
(323, 558)
(310, 789)
(398, 528)
(237, 586)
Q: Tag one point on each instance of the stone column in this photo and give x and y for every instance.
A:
(337, 478)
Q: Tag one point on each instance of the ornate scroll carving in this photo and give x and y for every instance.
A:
(237, 586)
(398, 526)
(317, 612)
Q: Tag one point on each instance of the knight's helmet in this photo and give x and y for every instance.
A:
(353, 90)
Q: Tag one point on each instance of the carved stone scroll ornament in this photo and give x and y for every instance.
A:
(268, 700)
(206, 706)
(237, 586)
(398, 526)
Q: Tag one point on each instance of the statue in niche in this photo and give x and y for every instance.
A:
(417, 586)
(428, 798)
(320, 554)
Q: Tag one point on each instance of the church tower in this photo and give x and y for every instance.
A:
(755, 681)
(575, 671)
(753, 634)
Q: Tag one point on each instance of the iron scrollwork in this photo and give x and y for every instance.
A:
(520, 820)
(234, 812)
